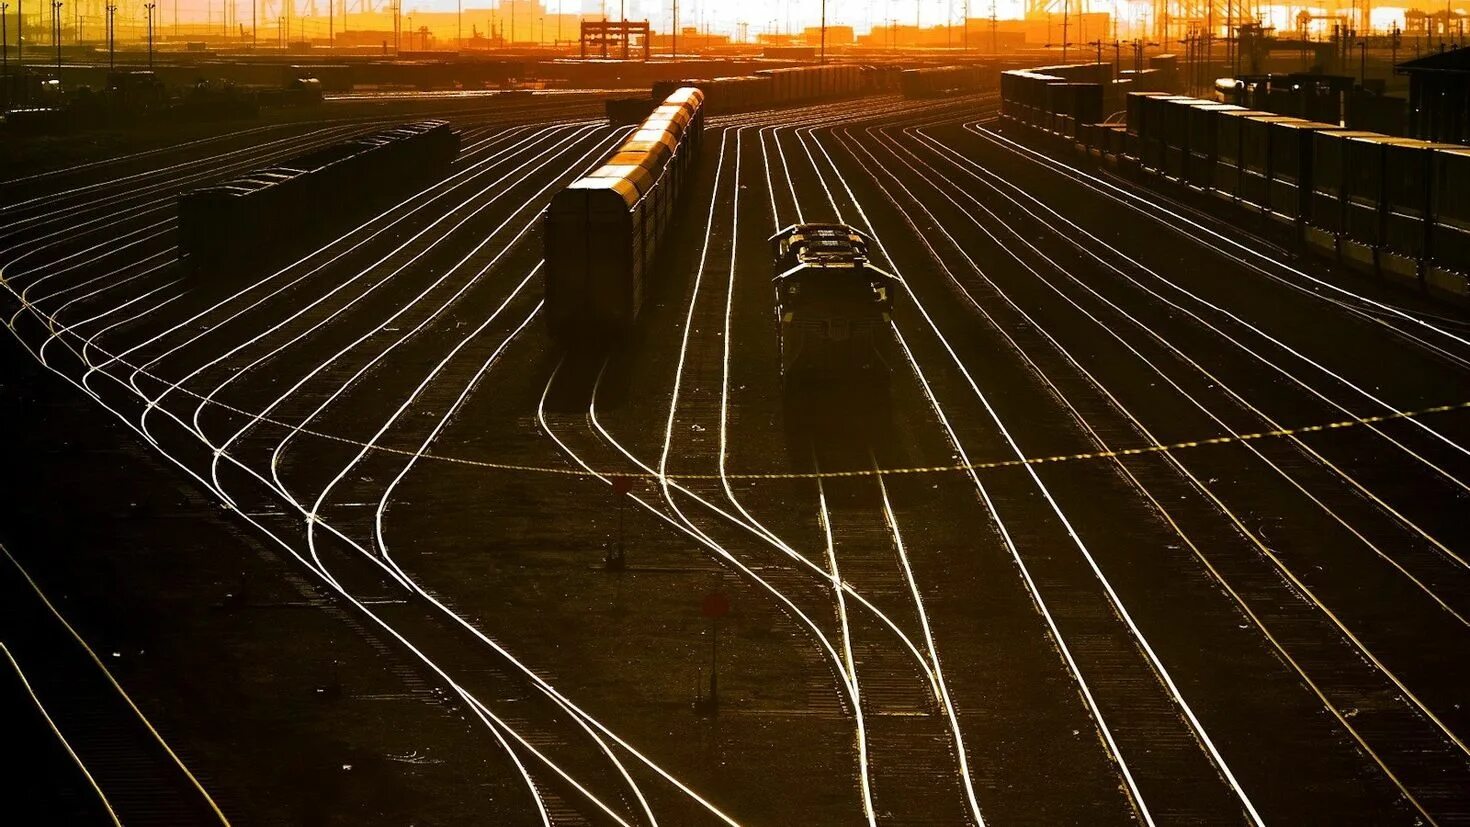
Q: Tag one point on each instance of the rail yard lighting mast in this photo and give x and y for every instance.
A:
(5, 49)
(824, 31)
(111, 34)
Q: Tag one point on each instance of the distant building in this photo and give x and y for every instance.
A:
(1080, 30)
(691, 39)
(1439, 96)
(836, 35)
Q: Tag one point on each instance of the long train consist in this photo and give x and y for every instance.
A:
(833, 309)
(771, 88)
(1397, 207)
(267, 213)
(937, 81)
(602, 232)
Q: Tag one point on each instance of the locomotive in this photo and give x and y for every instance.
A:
(833, 311)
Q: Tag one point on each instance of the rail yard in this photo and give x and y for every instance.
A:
(354, 484)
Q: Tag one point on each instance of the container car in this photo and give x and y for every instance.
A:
(1396, 206)
(602, 232)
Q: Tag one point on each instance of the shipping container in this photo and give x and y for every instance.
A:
(1450, 239)
(1202, 133)
(1408, 172)
(1289, 189)
(1228, 149)
(1327, 206)
(1255, 158)
(1365, 188)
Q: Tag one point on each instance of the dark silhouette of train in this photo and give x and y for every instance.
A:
(603, 230)
(834, 310)
(268, 215)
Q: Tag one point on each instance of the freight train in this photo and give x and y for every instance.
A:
(1397, 207)
(833, 310)
(602, 232)
(938, 81)
(267, 214)
(771, 88)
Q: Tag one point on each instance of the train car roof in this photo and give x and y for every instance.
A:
(1384, 140)
(813, 226)
(622, 187)
(1303, 124)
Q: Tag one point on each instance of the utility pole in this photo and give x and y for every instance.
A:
(824, 31)
(994, 35)
(56, 30)
(674, 43)
(1066, 8)
(150, 7)
(458, 25)
(5, 53)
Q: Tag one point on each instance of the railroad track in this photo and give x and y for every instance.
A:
(1150, 638)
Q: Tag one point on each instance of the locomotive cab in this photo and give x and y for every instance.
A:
(833, 311)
